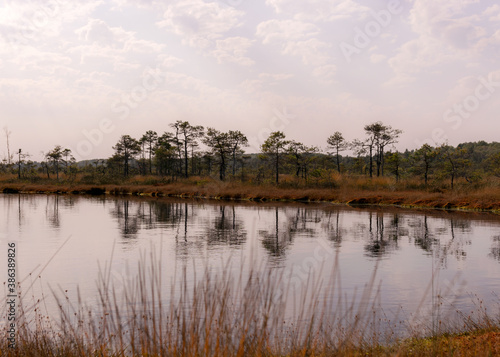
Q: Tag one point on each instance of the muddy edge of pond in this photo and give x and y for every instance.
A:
(451, 200)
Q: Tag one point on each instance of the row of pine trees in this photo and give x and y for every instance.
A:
(192, 150)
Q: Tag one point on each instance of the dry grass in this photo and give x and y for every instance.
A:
(221, 314)
(339, 189)
(226, 314)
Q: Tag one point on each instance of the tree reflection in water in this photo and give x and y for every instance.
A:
(495, 248)
(437, 233)
(52, 211)
(380, 243)
(410, 242)
(424, 239)
(294, 222)
(226, 229)
(274, 240)
(52, 208)
(128, 223)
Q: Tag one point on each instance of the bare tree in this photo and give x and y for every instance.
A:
(7, 135)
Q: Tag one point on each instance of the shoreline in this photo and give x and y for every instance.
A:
(476, 339)
(474, 201)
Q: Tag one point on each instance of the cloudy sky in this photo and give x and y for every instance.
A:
(82, 73)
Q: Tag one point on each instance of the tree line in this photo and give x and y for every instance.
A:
(192, 150)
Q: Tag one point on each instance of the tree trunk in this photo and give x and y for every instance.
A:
(277, 167)
(125, 167)
(371, 161)
(426, 173)
(338, 161)
(234, 163)
(378, 161)
(150, 148)
(382, 161)
(185, 158)
(19, 167)
(222, 169)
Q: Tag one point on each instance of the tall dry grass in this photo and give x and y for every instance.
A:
(250, 313)
(224, 312)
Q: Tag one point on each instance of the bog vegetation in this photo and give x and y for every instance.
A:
(194, 151)
(235, 314)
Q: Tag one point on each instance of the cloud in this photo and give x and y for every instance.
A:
(490, 43)
(456, 24)
(29, 22)
(326, 73)
(99, 42)
(168, 61)
(205, 25)
(120, 4)
(233, 50)
(50, 94)
(377, 58)
(467, 86)
(285, 30)
(200, 23)
(299, 39)
(446, 32)
(493, 13)
(311, 51)
(264, 82)
(98, 32)
(318, 10)
(417, 54)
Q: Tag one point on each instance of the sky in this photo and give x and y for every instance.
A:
(82, 73)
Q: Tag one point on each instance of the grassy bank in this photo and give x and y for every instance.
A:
(377, 191)
(233, 314)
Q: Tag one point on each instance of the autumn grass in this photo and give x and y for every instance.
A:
(220, 314)
(233, 312)
(334, 188)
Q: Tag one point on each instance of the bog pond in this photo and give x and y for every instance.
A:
(420, 264)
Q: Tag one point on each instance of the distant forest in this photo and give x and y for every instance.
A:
(194, 151)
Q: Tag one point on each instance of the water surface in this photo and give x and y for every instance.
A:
(419, 257)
